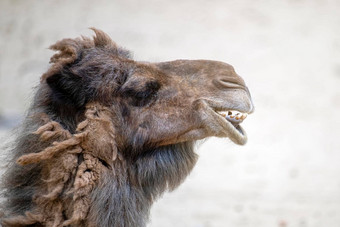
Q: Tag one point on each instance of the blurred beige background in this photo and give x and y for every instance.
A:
(288, 52)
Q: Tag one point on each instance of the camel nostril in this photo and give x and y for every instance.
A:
(224, 83)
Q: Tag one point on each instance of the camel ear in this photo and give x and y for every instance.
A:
(68, 89)
(69, 77)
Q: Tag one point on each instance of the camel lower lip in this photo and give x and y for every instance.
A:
(239, 129)
(237, 134)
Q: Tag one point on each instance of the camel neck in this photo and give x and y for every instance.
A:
(126, 191)
(118, 201)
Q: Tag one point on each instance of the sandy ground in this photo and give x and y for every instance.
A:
(288, 52)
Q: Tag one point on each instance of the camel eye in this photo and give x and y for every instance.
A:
(142, 95)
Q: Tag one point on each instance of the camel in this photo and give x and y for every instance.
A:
(105, 135)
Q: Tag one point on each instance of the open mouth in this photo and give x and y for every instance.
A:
(233, 119)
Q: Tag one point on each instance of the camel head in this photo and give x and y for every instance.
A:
(152, 104)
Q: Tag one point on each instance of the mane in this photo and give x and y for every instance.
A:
(21, 183)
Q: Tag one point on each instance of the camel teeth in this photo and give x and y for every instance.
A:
(233, 115)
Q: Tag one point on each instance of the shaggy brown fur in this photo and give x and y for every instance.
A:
(106, 135)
